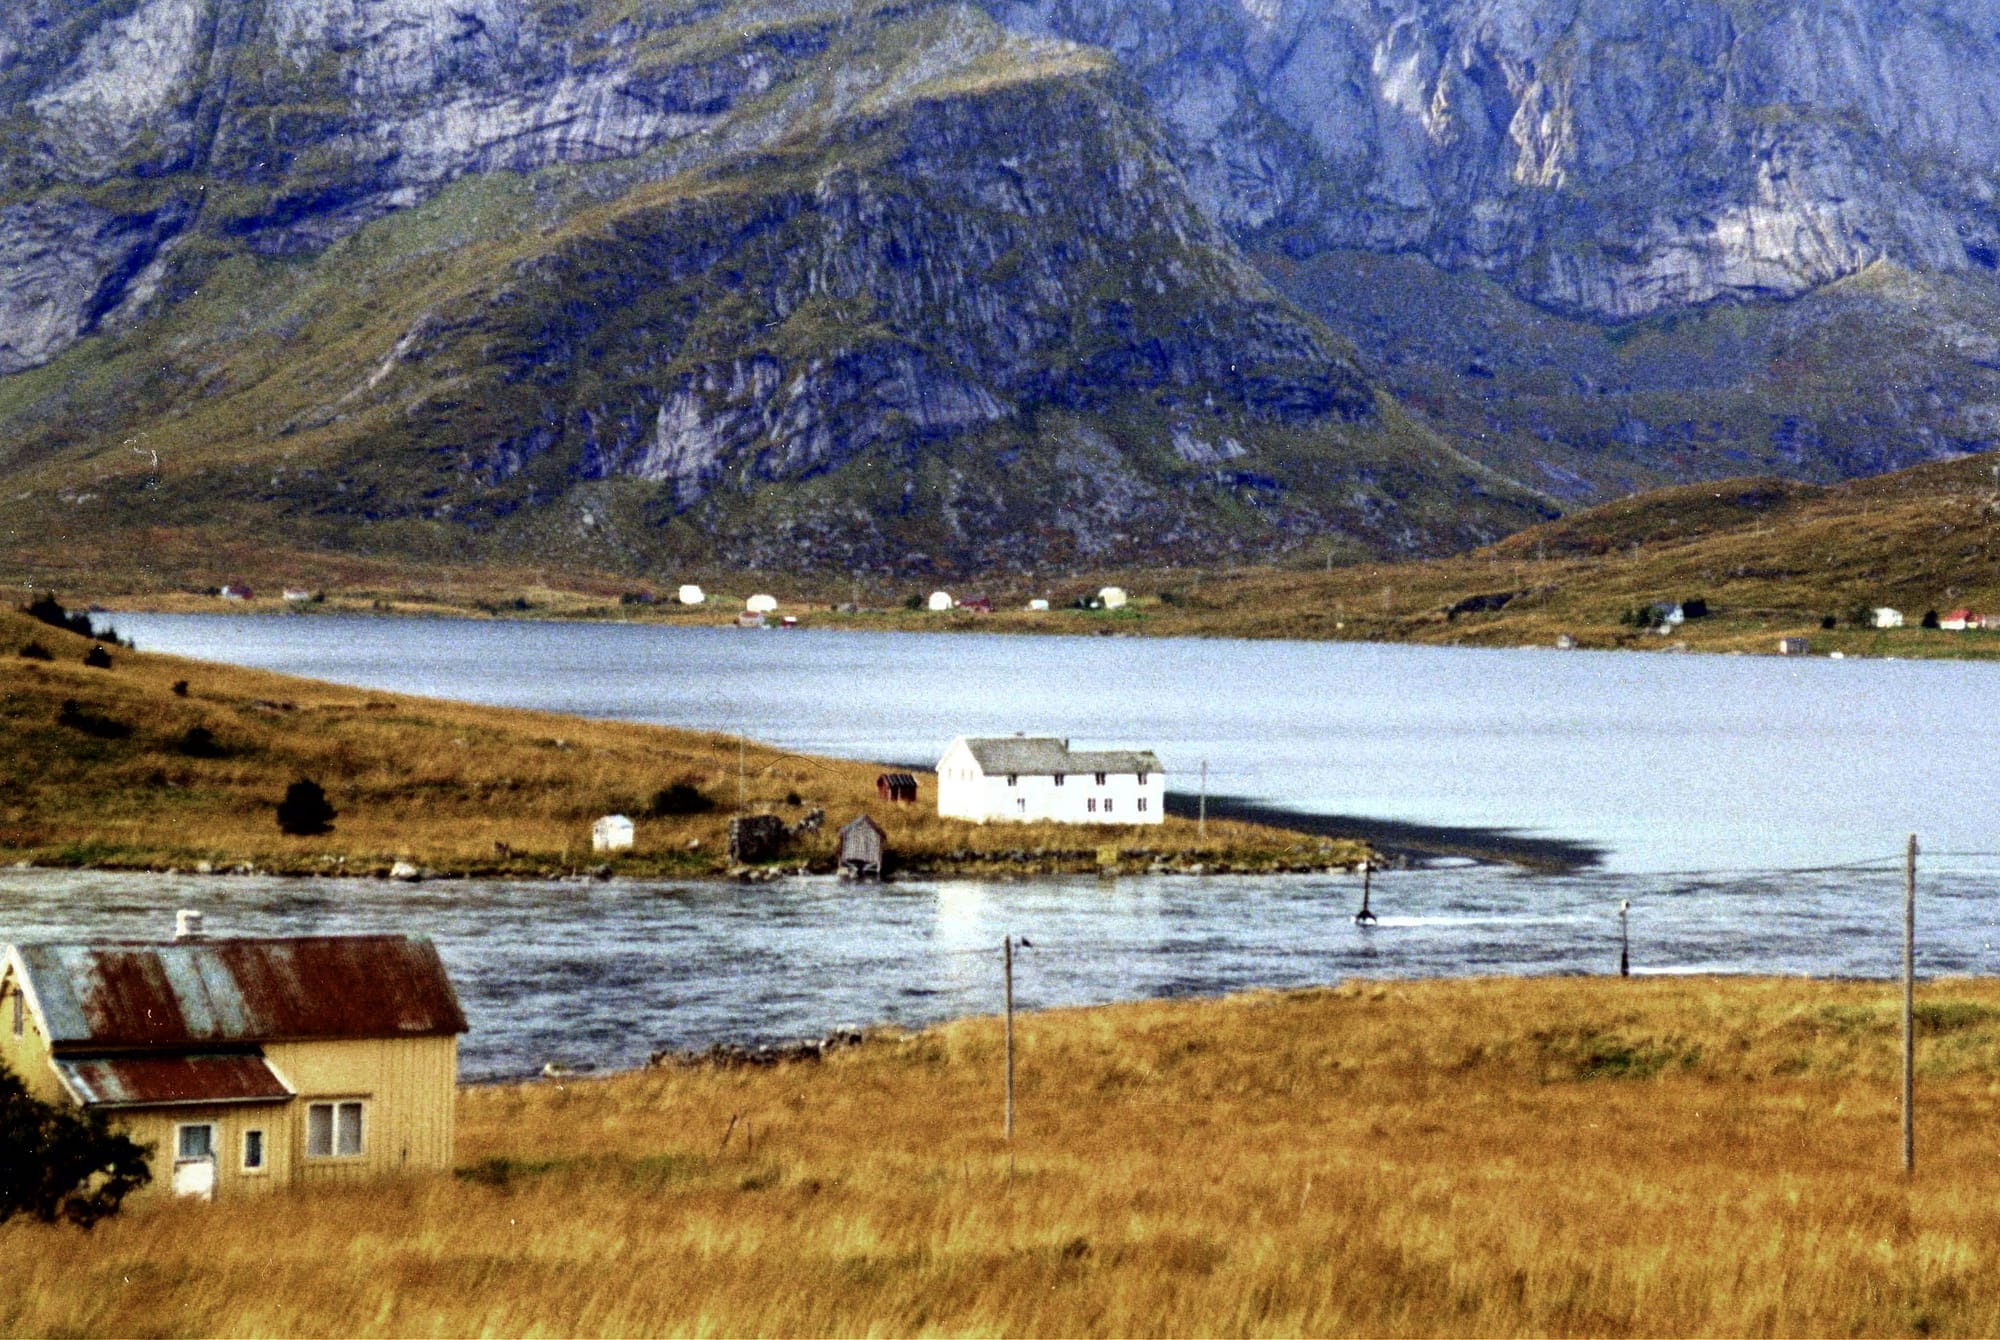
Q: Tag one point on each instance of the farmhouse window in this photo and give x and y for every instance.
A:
(1021, 805)
(1142, 779)
(333, 1130)
(1013, 779)
(253, 1151)
(1091, 804)
(1059, 778)
(1142, 804)
(1100, 779)
(20, 1019)
(1107, 804)
(196, 1141)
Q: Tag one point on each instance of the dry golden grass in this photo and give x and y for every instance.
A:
(1551, 1156)
(442, 785)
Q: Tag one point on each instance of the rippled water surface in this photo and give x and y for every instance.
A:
(605, 973)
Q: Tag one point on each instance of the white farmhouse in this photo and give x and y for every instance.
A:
(690, 594)
(1112, 597)
(1026, 778)
(939, 602)
(761, 604)
(1888, 618)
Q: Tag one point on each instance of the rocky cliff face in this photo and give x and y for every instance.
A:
(1610, 159)
(1048, 282)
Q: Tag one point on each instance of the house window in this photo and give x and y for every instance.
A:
(1021, 805)
(1142, 804)
(1013, 779)
(333, 1130)
(195, 1141)
(1142, 779)
(1107, 804)
(1100, 779)
(20, 1014)
(253, 1151)
(1059, 778)
(1091, 804)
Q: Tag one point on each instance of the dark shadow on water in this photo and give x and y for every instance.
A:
(1412, 842)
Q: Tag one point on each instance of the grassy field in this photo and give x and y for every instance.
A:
(1543, 1156)
(104, 767)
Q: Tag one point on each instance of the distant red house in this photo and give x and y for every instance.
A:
(897, 787)
(1958, 621)
(978, 604)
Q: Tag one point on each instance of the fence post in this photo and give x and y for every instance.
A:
(1007, 963)
(1909, 1009)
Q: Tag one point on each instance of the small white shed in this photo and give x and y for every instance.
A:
(761, 604)
(692, 594)
(1039, 605)
(1888, 618)
(940, 601)
(1113, 597)
(611, 833)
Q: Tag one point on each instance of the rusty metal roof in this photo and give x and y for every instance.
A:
(212, 992)
(159, 1081)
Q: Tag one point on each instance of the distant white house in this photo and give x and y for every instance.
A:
(1039, 605)
(1022, 779)
(940, 601)
(1794, 646)
(295, 595)
(611, 833)
(761, 604)
(692, 595)
(1887, 618)
(1112, 597)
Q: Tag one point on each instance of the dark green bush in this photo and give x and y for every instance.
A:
(80, 718)
(305, 810)
(62, 1163)
(680, 798)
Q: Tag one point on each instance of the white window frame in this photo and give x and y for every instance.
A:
(181, 1129)
(334, 1109)
(255, 1136)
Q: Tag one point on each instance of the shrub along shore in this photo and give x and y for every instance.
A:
(1552, 1156)
(151, 762)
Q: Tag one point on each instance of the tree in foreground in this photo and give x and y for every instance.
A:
(305, 811)
(62, 1163)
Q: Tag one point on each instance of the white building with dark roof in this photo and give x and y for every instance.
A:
(1024, 779)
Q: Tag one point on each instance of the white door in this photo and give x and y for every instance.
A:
(195, 1177)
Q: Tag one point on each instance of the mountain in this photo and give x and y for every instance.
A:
(880, 287)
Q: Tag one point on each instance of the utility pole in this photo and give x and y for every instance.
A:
(1909, 1009)
(1365, 917)
(1007, 962)
(741, 785)
(1624, 938)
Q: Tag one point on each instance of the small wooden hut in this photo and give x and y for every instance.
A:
(898, 788)
(861, 849)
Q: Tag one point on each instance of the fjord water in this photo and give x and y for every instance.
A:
(1664, 762)
(1718, 790)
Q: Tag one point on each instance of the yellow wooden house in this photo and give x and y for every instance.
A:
(247, 1064)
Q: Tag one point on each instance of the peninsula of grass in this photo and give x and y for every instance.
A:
(1554, 1156)
(160, 763)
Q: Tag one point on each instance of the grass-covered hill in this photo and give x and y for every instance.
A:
(155, 762)
(1765, 556)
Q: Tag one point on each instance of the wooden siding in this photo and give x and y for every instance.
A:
(27, 1055)
(409, 1086)
(155, 1127)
